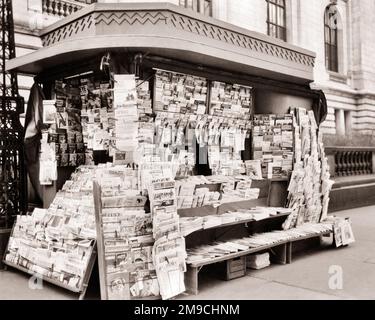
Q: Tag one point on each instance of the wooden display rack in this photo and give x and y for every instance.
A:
(282, 254)
(81, 291)
(86, 278)
(101, 249)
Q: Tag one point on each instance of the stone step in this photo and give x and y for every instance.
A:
(356, 195)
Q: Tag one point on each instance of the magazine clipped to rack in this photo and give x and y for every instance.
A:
(169, 251)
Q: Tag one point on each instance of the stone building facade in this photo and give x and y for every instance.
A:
(340, 29)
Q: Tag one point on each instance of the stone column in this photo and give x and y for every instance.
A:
(340, 122)
(219, 9)
(349, 122)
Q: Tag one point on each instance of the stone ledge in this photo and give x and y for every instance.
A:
(350, 181)
(352, 197)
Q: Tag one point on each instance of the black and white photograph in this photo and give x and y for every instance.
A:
(181, 151)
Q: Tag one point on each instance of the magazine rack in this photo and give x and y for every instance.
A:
(81, 291)
(101, 248)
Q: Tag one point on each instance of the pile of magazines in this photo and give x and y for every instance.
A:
(189, 225)
(57, 243)
(220, 249)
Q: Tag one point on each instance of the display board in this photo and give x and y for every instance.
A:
(180, 93)
(231, 100)
(215, 115)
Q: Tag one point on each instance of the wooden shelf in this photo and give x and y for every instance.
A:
(50, 280)
(146, 299)
(225, 207)
(85, 280)
(281, 215)
(231, 256)
(248, 221)
(285, 179)
(252, 250)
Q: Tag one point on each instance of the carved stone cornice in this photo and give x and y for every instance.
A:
(161, 25)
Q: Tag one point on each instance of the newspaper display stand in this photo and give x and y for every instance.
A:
(188, 79)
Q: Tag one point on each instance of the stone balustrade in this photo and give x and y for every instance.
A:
(351, 161)
(63, 8)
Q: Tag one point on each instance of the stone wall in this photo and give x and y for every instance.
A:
(351, 91)
(28, 20)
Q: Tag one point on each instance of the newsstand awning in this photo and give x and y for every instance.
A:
(170, 31)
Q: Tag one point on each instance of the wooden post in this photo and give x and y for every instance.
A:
(280, 254)
(191, 280)
(289, 251)
(100, 241)
(86, 279)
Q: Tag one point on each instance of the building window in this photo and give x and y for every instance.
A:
(276, 19)
(331, 38)
(201, 6)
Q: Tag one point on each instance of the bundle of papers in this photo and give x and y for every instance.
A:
(240, 195)
(258, 261)
(195, 192)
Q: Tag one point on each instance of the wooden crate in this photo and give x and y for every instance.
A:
(233, 268)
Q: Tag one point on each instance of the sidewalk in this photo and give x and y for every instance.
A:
(306, 278)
